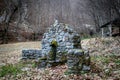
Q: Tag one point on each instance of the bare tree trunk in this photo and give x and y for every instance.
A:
(119, 31)
(10, 10)
(5, 34)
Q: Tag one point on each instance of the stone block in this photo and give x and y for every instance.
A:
(31, 54)
(77, 61)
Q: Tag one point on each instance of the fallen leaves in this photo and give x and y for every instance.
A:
(105, 62)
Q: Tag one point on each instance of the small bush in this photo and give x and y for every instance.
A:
(9, 69)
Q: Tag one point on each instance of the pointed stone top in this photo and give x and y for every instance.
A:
(55, 23)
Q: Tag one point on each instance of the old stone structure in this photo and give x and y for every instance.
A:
(65, 37)
(61, 43)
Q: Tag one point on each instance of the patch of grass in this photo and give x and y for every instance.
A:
(108, 64)
(102, 59)
(14, 69)
(86, 37)
(117, 61)
(34, 65)
(9, 69)
(27, 63)
(105, 60)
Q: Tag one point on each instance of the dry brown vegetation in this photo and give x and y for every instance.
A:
(105, 61)
(11, 53)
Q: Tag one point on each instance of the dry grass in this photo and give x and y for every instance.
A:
(102, 46)
(11, 53)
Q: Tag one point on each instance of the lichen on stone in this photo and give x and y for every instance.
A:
(52, 53)
(54, 43)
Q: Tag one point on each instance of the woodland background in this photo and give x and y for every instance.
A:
(26, 20)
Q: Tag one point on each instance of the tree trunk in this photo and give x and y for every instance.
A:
(119, 31)
(5, 34)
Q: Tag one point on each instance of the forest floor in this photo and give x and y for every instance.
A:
(105, 62)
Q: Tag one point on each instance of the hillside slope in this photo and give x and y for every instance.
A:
(102, 46)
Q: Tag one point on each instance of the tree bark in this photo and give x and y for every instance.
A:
(5, 34)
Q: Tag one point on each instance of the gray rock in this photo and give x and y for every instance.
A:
(77, 61)
(78, 52)
(86, 68)
(31, 54)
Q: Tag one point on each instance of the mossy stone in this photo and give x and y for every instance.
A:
(54, 43)
(53, 51)
(43, 58)
(63, 58)
(51, 56)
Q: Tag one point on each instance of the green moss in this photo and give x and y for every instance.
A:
(43, 58)
(64, 58)
(81, 50)
(54, 43)
(51, 55)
